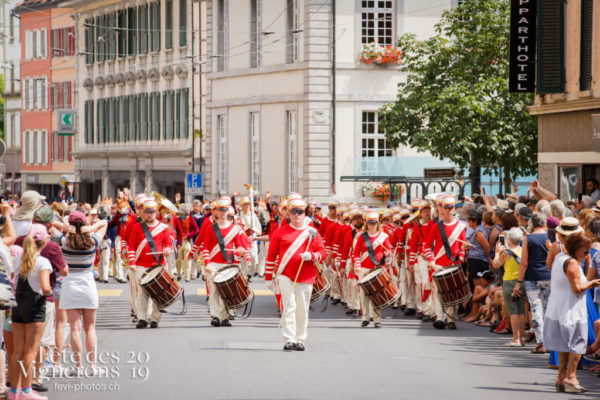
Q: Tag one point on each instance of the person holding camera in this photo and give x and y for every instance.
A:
(514, 300)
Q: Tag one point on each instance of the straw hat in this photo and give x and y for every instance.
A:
(569, 226)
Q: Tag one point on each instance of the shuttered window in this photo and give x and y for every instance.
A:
(89, 41)
(143, 28)
(169, 24)
(551, 37)
(100, 39)
(182, 22)
(132, 30)
(111, 36)
(585, 75)
(122, 33)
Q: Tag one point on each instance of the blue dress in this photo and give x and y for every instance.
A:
(593, 315)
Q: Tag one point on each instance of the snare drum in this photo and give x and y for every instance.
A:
(320, 287)
(380, 289)
(233, 287)
(452, 285)
(160, 286)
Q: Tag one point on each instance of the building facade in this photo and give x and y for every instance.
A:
(133, 98)
(567, 101)
(11, 67)
(289, 102)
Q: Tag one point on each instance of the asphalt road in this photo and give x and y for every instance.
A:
(186, 358)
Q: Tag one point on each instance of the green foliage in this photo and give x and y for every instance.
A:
(455, 102)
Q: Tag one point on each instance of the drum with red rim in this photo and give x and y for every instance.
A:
(233, 287)
(320, 287)
(380, 289)
(452, 285)
(160, 286)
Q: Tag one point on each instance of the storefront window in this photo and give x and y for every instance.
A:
(570, 183)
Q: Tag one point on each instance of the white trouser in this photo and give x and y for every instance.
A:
(262, 257)
(216, 304)
(184, 262)
(133, 289)
(443, 313)
(353, 295)
(411, 300)
(171, 260)
(295, 317)
(143, 301)
(424, 286)
(253, 267)
(368, 309)
(104, 263)
(402, 282)
(119, 262)
(335, 283)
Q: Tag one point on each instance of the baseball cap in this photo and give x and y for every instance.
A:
(38, 232)
(43, 214)
(77, 217)
(525, 213)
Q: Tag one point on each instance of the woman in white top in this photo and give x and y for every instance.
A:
(565, 321)
(32, 276)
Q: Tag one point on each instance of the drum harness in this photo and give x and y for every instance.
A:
(159, 260)
(325, 301)
(247, 311)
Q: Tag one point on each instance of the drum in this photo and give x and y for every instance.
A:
(233, 287)
(160, 286)
(452, 285)
(380, 289)
(320, 287)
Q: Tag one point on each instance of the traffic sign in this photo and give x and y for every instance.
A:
(194, 181)
(66, 122)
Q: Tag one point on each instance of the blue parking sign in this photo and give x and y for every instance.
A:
(194, 181)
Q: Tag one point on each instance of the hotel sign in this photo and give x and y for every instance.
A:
(522, 46)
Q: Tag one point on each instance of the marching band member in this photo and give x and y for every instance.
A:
(349, 243)
(406, 278)
(168, 217)
(296, 272)
(338, 244)
(418, 261)
(336, 289)
(371, 250)
(189, 229)
(148, 244)
(224, 242)
(445, 238)
(251, 226)
(121, 219)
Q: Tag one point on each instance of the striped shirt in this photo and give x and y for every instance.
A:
(79, 260)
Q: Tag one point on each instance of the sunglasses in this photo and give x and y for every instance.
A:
(223, 209)
(372, 222)
(396, 222)
(404, 217)
(414, 210)
(449, 207)
(332, 207)
(586, 252)
(297, 211)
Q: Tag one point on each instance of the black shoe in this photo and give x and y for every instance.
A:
(300, 347)
(141, 324)
(394, 307)
(225, 322)
(198, 275)
(426, 318)
(178, 278)
(132, 313)
(410, 312)
(377, 324)
(261, 276)
(364, 324)
(162, 310)
(370, 319)
(153, 324)
(231, 317)
(134, 320)
(39, 387)
(439, 324)
(419, 315)
(289, 346)
(255, 274)
(402, 307)
(356, 314)
(249, 278)
(335, 302)
(451, 325)
(349, 312)
(432, 319)
(215, 322)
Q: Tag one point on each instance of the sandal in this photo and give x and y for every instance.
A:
(530, 337)
(512, 344)
(539, 349)
(504, 331)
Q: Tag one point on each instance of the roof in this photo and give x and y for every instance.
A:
(35, 5)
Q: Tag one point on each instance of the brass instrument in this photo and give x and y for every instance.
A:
(165, 203)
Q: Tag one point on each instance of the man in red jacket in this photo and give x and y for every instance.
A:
(298, 247)
(141, 258)
(439, 259)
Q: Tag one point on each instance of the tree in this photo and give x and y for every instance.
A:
(455, 102)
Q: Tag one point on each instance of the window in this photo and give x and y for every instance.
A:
(292, 38)
(377, 22)
(28, 148)
(255, 33)
(569, 182)
(122, 33)
(44, 92)
(44, 147)
(255, 150)
(43, 43)
(37, 147)
(585, 75)
(182, 23)
(132, 30)
(143, 28)
(373, 141)
(292, 152)
(100, 39)
(26, 94)
(28, 45)
(89, 122)
(155, 26)
(89, 41)
(221, 155)
(181, 112)
(55, 147)
(155, 111)
(143, 115)
(168, 24)
(8, 129)
(222, 27)
(112, 37)
(550, 60)
(35, 43)
(13, 132)
(110, 120)
(12, 27)
(34, 95)
(116, 122)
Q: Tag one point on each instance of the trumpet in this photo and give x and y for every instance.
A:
(165, 203)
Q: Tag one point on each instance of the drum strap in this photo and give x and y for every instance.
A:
(447, 248)
(151, 243)
(219, 236)
(421, 231)
(371, 250)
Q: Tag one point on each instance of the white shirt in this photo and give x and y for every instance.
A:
(41, 264)
(21, 227)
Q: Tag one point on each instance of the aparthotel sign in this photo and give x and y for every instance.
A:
(522, 46)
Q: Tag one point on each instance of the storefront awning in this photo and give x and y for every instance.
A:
(390, 169)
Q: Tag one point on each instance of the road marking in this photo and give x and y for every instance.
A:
(202, 292)
(110, 292)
